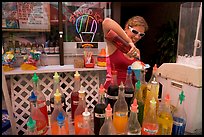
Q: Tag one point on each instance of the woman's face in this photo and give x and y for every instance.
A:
(135, 33)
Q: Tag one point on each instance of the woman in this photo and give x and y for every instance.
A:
(135, 29)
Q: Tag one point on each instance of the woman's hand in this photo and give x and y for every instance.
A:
(134, 52)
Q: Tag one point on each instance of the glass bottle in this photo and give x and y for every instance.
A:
(129, 87)
(112, 92)
(41, 100)
(78, 118)
(150, 125)
(37, 115)
(152, 91)
(56, 85)
(53, 119)
(143, 83)
(99, 110)
(31, 127)
(62, 128)
(139, 96)
(164, 117)
(75, 93)
(108, 127)
(86, 125)
(179, 117)
(120, 112)
(134, 127)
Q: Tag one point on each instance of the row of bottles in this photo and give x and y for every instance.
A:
(22, 48)
(126, 117)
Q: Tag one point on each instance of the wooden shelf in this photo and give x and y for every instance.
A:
(27, 30)
(52, 69)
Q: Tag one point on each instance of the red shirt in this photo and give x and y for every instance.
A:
(121, 64)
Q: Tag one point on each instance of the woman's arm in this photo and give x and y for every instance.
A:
(108, 24)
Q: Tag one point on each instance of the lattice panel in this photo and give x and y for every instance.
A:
(21, 85)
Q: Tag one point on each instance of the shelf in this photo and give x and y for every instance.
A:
(27, 30)
(52, 69)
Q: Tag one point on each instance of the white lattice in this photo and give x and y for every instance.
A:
(21, 87)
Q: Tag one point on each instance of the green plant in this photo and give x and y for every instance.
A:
(167, 43)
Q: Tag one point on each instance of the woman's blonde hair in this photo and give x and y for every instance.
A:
(137, 21)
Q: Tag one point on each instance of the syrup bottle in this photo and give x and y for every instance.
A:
(108, 127)
(37, 115)
(120, 112)
(129, 88)
(78, 118)
(86, 125)
(164, 117)
(41, 100)
(75, 93)
(150, 125)
(179, 117)
(53, 119)
(134, 127)
(56, 86)
(62, 128)
(99, 110)
(112, 92)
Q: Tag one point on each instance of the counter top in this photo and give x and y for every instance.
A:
(52, 69)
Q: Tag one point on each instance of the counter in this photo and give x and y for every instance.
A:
(21, 86)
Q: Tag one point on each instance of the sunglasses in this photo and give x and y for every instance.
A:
(136, 32)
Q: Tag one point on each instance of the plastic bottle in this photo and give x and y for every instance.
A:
(53, 119)
(143, 83)
(112, 92)
(108, 127)
(99, 110)
(37, 115)
(179, 117)
(150, 125)
(78, 118)
(56, 86)
(41, 100)
(86, 125)
(152, 91)
(164, 117)
(75, 93)
(31, 127)
(134, 127)
(129, 87)
(120, 112)
(62, 128)
(139, 96)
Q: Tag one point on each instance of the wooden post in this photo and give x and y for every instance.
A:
(61, 48)
(8, 104)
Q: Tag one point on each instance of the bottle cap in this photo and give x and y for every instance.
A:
(56, 77)
(86, 113)
(129, 70)
(134, 105)
(76, 74)
(81, 92)
(155, 68)
(101, 89)
(167, 97)
(181, 97)
(103, 52)
(33, 97)
(138, 85)
(35, 77)
(31, 123)
(57, 95)
(60, 118)
(108, 110)
(121, 86)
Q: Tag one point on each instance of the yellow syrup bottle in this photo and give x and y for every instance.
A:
(120, 112)
(164, 117)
